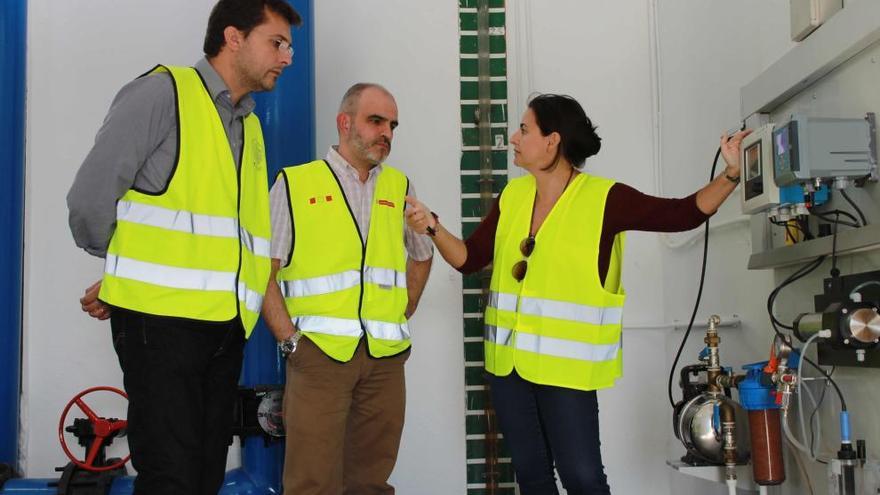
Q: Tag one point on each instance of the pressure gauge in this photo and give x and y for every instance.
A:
(269, 413)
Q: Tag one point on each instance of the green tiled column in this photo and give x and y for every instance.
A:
(474, 193)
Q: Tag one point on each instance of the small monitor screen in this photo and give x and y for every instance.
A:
(753, 161)
(782, 141)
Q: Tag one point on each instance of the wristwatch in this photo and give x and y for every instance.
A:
(735, 180)
(288, 345)
(433, 231)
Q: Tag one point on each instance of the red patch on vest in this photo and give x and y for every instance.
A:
(385, 202)
(313, 201)
(328, 198)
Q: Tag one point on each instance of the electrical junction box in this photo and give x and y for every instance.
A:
(807, 15)
(758, 190)
(808, 149)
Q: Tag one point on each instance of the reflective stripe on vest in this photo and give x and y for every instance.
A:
(192, 223)
(169, 276)
(257, 245)
(252, 299)
(498, 335)
(550, 346)
(504, 302)
(387, 331)
(385, 277)
(320, 285)
(557, 309)
(344, 327)
(315, 286)
(182, 278)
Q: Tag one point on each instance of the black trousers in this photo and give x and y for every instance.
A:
(181, 377)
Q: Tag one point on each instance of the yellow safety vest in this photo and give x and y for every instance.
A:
(559, 326)
(338, 286)
(200, 248)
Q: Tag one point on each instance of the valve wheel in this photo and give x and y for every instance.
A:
(103, 428)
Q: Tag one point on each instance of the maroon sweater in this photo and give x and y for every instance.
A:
(625, 209)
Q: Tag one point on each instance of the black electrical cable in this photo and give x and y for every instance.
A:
(834, 271)
(835, 212)
(699, 293)
(790, 234)
(830, 380)
(788, 226)
(838, 221)
(825, 214)
(805, 227)
(795, 226)
(855, 207)
(797, 275)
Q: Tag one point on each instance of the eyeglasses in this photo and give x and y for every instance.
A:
(526, 247)
(283, 46)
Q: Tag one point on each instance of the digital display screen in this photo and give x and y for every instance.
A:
(782, 141)
(753, 161)
(785, 155)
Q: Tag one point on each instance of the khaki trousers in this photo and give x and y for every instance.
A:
(343, 422)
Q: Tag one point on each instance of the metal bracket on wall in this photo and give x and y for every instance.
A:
(484, 129)
(487, 188)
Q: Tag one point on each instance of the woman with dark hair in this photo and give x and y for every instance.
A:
(553, 318)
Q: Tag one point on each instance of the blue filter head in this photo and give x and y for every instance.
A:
(754, 395)
(794, 359)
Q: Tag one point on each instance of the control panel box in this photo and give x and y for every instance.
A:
(758, 191)
(807, 149)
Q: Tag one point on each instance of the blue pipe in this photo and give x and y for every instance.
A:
(30, 487)
(13, 38)
(121, 486)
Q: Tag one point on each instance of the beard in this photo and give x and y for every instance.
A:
(267, 83)
(260, 82)
(254, 78)
(366, 150)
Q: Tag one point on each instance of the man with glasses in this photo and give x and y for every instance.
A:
(173, 195)
(350, 275)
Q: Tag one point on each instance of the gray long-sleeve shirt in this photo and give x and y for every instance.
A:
(136, 148)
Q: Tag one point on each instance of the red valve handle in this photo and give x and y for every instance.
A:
(103, 428)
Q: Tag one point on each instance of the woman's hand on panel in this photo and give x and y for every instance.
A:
(731, 150)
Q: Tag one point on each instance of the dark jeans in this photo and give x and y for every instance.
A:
(181, 377)
(546, 426)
